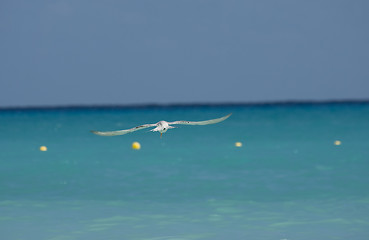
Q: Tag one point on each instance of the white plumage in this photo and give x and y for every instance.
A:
(161, 126)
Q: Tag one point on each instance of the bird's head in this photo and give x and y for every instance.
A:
(162, 127)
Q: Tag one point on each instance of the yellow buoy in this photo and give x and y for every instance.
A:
(43, 148)
(238, 144)
(337, 142)
(136, 145)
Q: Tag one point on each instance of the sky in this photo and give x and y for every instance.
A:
(86, 52)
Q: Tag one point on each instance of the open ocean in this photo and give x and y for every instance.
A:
(288, 181)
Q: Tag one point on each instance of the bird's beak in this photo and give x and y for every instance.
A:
(161, 134)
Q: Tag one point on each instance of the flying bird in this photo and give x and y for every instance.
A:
(161, 126)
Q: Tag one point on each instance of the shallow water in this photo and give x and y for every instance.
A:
(287, 181)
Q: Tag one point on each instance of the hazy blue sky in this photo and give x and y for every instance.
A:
(122, 52)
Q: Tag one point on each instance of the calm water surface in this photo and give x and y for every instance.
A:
(287, 181)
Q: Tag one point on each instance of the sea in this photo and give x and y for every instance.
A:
(302, 173)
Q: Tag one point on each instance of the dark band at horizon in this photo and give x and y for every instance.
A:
(187, 105)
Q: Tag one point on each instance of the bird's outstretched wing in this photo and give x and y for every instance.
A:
(121, 132)
(212, 121)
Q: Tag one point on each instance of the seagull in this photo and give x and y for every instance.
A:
(161, 126)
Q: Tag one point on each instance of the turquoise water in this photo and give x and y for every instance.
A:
(287, 181)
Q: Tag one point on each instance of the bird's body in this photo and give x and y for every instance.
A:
(161, 126)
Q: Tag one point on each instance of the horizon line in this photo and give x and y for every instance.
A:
(194, 104)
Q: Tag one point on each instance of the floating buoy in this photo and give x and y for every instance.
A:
(43, 148)
(136, 145)
(238, 144)
(337, 142)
